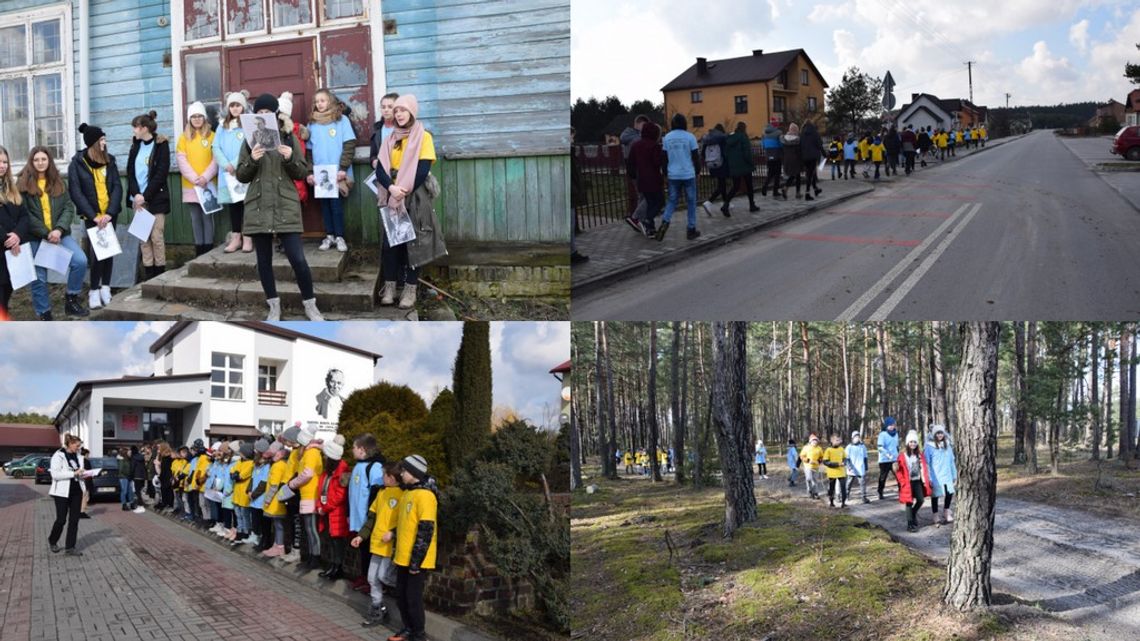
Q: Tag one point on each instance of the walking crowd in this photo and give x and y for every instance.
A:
(286, 499)
(662, 169)
(263, 188)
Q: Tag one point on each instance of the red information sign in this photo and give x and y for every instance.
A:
(130, 423)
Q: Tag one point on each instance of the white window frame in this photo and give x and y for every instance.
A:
(226, 384)
(350, 21)
(275, 376)
(65, 67)
(245, 34)
(178, 22)
(287, 31)
(373, 18)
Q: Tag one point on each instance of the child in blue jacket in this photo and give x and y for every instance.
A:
(793, 462)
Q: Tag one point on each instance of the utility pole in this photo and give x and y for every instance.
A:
(970, 72)
(1007, 100)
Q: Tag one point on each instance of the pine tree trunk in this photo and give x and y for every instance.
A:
(612, 446)
(883, 371)
(866, 378)
(1109, 356)
(846, 386)
(651, 411)
(604, 451)
(791, 386)
(1020, 426)
(730, 415)
(675, 406)
(1031, 428)
(938, 377)
(1132, 395)
(1125, 360)
(1055, 432)
(1094, 397)
(971, 543)
(809, 407)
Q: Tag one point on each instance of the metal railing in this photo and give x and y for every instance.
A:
(608, 194)
(271, 397)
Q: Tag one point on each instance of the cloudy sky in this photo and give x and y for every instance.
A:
(40, 362)
(1041, 51)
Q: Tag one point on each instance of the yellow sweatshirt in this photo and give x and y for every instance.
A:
(811, 455)
(835, 454)
(416, 506)
(241, 487)
(385, 506)
(273, 507)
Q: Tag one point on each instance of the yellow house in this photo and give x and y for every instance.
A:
(781, 86)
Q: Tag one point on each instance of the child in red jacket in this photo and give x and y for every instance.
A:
(914, 479)
(332, 504)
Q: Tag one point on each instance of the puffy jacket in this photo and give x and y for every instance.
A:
(902, 474)
(909, 140)
(81, 187)
(762, 454)
(793, 159)
(13, 218)
(271, 203)
(738, 154)
(849, 149)
(943, 467)
(888, 446)
(773, 148)
(332, 502)
(811, 144)
(892, 142)
(157, 192)
(377, 139)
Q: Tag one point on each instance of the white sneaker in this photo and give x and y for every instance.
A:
(105, 294)
(253, 539)
(311, 311)
(707, 206)
(139, 510)
(292, 557)
(93, 300)
(274, 309)
(341, 246)
(326, 244)
(217, 529)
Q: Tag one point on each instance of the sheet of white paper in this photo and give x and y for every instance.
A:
(93, 472)
(53, 257)
(208, 197)
(371, 182)
(822, 164)
(398, 227)
(236, 187)
(104, 241)
(21, 269)
(141, 225)
(324, 181)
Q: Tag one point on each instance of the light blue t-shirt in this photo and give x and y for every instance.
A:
(857, 459)
(142, 163)
(679, 147)
(385, 131)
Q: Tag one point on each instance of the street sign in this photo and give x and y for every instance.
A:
(888, 89)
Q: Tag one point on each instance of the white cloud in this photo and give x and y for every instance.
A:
(1079, 35)
(1046, 75)
(830, 12)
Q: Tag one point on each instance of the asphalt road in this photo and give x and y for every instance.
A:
(1021, 232)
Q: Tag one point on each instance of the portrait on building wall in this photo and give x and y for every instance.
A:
(329, 399)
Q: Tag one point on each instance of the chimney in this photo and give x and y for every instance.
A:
(757, 52)
(702, 66)
(913, 97)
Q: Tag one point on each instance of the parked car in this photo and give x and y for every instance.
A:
(1127, 142)
(20, 460)
(43, 470)
(107, 481)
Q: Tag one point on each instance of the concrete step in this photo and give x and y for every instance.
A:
(327, 266)
(131, 304)
(355, 293)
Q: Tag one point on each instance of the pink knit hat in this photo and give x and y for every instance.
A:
(409, 102)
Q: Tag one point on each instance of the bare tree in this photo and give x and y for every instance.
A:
(1094, 398)
(1031, 427)
(731, 413)
(938, 377)
(651, 411)
(971, 543)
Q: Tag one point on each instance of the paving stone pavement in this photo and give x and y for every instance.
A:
(145, 577)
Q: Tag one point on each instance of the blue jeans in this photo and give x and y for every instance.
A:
(332, 209)
(675, 187)
(126, 491)
(76, 271)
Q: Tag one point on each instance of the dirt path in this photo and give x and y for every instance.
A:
(1080, 567)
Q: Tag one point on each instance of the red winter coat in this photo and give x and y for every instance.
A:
(333, 505)
(903, 476)
(302, 186)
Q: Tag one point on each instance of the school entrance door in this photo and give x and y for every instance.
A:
(276, 68)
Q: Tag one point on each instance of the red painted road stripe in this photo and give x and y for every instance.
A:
(852, 240)
(884, 212)
(961, 199)
(919, 183)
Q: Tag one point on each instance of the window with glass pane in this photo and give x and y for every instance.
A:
(14, 112)
(244, 16)
(201, 19)
(46, 42)
(287, 13)
(204, 82)
(343, 9)
(47, 93)
(266, 378)
(226, 376)
(13, 47)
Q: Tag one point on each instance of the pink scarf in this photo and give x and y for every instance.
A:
(406, 175)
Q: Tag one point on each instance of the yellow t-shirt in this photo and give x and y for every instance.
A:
(176, 467)
(958, 137)
(200, 468)
(45, 201)
(241, 488)
(627, 459)
(415, 506)
(293, 464)
(863, 146)
(276, 477)
(835, 455)
(877, 152)
(942, 140)
(199, 153)
(99, 174)
(811, 455)
(982, 132)
(427, 151)
(310, 460)
(385, 506)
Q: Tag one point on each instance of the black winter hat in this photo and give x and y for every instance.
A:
(265, 101)
(91, 134)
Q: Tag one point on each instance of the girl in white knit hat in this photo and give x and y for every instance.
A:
(195, 156)
(228, 140)
(914, 479)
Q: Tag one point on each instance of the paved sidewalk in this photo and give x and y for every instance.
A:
(617, 252)
(142, 576)
(1094, 151)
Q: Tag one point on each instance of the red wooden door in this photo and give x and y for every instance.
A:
(276, 68)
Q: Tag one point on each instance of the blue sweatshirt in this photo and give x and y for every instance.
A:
(227, 146)
(359, 488)
(888, 446)
(849, 150)
(793, 456)
(327, 141)
(260, 475)
(943, 468)
(857, 459)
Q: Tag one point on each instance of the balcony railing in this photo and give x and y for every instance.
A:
(271, 397)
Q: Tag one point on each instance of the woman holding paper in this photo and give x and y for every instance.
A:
(148, 166)
(196, 162)
(13, 225)
(408, 186)
(67, 491)
(98, 196)
(50, 216)
(228, 140)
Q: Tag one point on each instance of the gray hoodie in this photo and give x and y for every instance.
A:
(627, 138)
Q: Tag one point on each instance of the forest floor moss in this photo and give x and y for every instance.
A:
(649, 563)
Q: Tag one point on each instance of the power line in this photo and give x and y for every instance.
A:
(938, 39)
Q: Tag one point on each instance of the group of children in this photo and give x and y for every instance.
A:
(638, 462)
(280, 497)
(920, 472)
(39, 207)
(890, 148)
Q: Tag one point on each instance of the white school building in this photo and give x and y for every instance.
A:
(215, 380)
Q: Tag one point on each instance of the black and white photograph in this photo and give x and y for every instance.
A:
(208, 197)
(397, 225)
(324, 181)
(261, 129)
